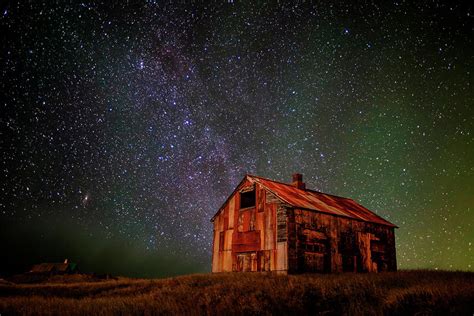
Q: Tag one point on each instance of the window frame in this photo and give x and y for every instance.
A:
(254, 200)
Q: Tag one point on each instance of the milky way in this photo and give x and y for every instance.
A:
(126, 126)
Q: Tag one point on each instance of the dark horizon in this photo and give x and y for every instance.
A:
(51, 242)
(125, 126)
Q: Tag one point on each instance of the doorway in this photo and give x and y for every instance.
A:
(247, 262)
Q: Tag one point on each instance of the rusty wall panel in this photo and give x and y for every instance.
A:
(220, 223)
(226, 217)
(292, 219)
(269, 228)
(252, 223)
(281, 257)
(363, 240)
(215, 252)
(274, 225)
(260, 226)
(231, 206)
(247, 262)
(240, 222)
(250, 247)
(246, 241)
(264, 262)
(216, 257)
(226, 261)
(281, 223)
(246, 220)
(333, 232)
(273, 256)
(253, 262)
(247, 237)
(228, 239)
(237, 217)
(346, 245)
(271, 232)
(260, 192)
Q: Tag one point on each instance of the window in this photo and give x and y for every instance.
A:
(247, 199)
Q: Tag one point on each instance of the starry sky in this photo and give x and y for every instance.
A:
(125, 126)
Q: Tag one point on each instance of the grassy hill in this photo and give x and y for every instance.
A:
(397, 293)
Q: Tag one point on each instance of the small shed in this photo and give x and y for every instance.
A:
(65, 267)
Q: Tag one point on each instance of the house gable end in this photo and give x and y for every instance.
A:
(245, 182)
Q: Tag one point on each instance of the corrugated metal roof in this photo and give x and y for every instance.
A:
(318, 201)
(43, 267)
(53, 267)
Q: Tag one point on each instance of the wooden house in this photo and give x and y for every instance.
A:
(265, 225)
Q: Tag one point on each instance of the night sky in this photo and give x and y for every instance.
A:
(125, 127)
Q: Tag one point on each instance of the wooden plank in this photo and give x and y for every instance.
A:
(268, 233)
(282, 262)
(227, 261)
(231, 212)
(281, 223)
(260, 198)
(271, 198)
(215, 252)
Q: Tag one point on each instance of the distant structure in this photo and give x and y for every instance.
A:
(266, 225)
(65, 267)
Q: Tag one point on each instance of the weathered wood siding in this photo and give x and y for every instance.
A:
(327, 243)
(246, 239)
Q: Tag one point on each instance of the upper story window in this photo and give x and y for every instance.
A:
(247, 199)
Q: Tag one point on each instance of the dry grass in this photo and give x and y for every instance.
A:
(400, 293)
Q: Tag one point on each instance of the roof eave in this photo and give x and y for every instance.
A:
(228, 197)
(348, 217)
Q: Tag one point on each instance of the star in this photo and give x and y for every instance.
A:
(157, 112)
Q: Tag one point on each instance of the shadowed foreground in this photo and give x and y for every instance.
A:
(392, 293)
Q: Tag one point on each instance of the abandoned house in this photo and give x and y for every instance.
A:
(265, 225)
(65, 267)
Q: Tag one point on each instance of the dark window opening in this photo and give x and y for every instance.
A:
(247, 199)
(351, 263)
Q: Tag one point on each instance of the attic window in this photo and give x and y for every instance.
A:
(247, 199)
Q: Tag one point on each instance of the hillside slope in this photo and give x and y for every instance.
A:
(397, 293)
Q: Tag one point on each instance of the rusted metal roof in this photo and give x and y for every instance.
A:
(53, 267)
(318, 201)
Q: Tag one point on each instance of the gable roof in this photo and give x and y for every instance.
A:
(317, 201)
(53, 267)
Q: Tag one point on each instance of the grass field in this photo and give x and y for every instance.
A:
(398, 293)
